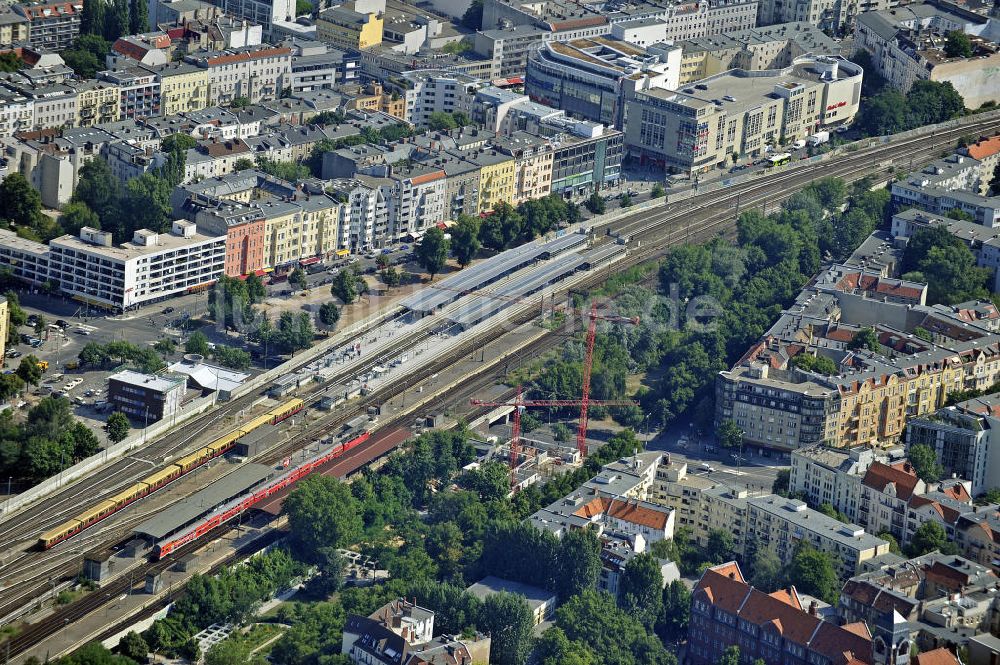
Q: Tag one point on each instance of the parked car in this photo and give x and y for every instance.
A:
(168, 310)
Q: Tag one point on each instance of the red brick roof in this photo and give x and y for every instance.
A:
(724, 588)
(624, 511)
(245, 56)
(901, 474)
(939, 656)
(957, 492)
(984, 149)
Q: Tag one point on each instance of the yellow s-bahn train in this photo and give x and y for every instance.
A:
(166, 475)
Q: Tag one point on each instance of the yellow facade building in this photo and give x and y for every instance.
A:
(183, 87)
(497, 178)
(14, 28)
(97, 102)
(298, 230)
(345, 28)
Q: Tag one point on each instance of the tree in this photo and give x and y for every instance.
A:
(930, 102)
(864, 339)
(928, 537)
(491, 481)
(20, 203)
(925, 463)
(298, 279)
(10, 386)
(958, 45)
(322, 512)
(640, 590)
(329, 314)
(625, 201)
(240, 102)
(303, 7)
(767, 573)
(10, 62)
(721, 546)
(92, 17)
(134, 647)
(432, 252)
(441, 121)
(731, 656)
(75, 216)
(730, 434)
(473, 16)
(595, 204)
(893, 543)
(40, 323)
(29, 371)
(138, 17)
(392, 277)
(98, 188)
(465, 239)
(579, 562)
(118, 427)
(345, 287)
(554, 648)
(657, 192)
(675, 613)
(507, 619)
(989, 497)
(885, 113)
(116, 23)
(231, 357)
(615, 637)
(812, 572)
(197, 343)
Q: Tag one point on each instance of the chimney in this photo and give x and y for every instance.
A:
(813, 608)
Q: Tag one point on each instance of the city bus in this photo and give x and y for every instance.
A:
(779, 160)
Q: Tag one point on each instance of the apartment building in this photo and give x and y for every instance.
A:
(586, 156)
(146, 398)
(27, 260)
(434, 91)
(562, 19)
(929, 601)
(403, 632)
(832, 16)
(138, 91)
(613, 503)
(497, 176)
(694, 129)
(533, 156)
(508, 49)
(4, 323)
(752, 49)
(594, 78)
(243, 226)
(956, 182)
(15, 28)
(981, 240)
(364, 213)
(353, 25)
(252, 72)
(415, 198)
(780, 524)
(260, 12)
(906, 45)
(97, 102)
(315, 66)
(830, 475)
(647, 24)
(961, 437)
(726, 611)
(51, 25)
(151, 267)
(17, 112)
(183, 87)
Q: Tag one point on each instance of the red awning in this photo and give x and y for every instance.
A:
(309, 261)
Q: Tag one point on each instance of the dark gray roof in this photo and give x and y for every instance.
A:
(187, 510)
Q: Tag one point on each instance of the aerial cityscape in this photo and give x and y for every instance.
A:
(513, 332)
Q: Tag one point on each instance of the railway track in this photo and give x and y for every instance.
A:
(700, 217)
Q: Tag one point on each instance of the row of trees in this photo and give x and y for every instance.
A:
(48, 441)
(112, 19)
(104, 356)
(889, 111)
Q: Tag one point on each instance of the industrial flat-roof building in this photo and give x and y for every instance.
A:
(145, 398)
(541, 602)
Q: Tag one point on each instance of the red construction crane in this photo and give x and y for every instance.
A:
(520, 403)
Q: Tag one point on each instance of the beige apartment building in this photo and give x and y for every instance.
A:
(532, 164)
(97, 102)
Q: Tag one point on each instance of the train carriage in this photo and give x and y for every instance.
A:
(126, 497)
(226, 441)
(60, 533)
(162, 477)
(258, 421)
(195, 459)
(96, 513)
(289, 408)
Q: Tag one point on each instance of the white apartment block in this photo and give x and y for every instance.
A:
(430, 91)
(253, 72)
(364, 214)
(831, 475)
(906, 44)
(676, 22)
(837, 16)
(779, 524)
(153, 266)
(17, 113)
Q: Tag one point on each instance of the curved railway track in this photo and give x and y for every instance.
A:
(700, 217)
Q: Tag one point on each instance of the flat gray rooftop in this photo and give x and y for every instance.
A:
(484, 306)
(182, 513)
(486, 272)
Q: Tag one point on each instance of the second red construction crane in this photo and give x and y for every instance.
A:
(584, 402)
